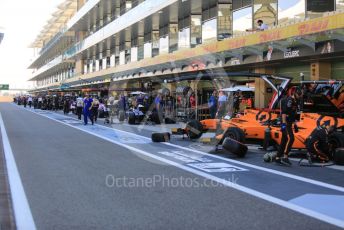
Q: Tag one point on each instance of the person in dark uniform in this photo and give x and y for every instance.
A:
(94, 109)
(139, 99)
(317, 143)
(45, 103)
(212, 104)
(56, 102)
(49, 103)
(158, 109)
(122, 103)
(288, 114)
(35, 102)
(87, 111)
(66, 105)
(236, 102)
(25, 101)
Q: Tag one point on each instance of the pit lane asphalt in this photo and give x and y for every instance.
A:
(254, 156)
(64, 172)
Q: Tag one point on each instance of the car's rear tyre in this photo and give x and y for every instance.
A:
(338, 156)
(161, 137)
(234, 147)
(194, 129)
(336, 140)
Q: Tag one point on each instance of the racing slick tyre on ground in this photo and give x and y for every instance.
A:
(161, 137)
(131, 118)
(234, 147)
(194, 129)
(338, 156)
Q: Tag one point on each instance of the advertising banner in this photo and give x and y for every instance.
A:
(296, 30)
(272, 53)
(4, 87)
(321, 5)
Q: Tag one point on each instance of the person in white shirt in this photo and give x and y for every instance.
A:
(30, 101)
(221, 108)
(101, 106)
(261, 26)
(40, 102)
(79, 106)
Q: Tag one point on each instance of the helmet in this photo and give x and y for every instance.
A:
(269, 156)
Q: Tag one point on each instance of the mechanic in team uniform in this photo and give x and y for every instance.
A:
(288, 114)
(87, 109)
(317, 143)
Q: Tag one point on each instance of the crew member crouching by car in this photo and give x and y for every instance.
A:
(317, 143)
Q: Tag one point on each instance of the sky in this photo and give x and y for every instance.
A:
(21, 21)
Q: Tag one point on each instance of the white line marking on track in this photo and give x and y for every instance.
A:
(288, 175)
(336, 167)
(22, 212)
(244, 189)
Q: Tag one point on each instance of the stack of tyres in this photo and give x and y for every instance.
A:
(131, 118)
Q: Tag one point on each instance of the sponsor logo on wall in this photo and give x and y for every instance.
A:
(291, 53)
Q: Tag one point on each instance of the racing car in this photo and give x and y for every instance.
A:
(264, 125)
(323, 103)
(250, 125)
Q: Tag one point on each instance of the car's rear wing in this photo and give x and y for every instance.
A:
(279, 90)
(334, 84)
(323, 97)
